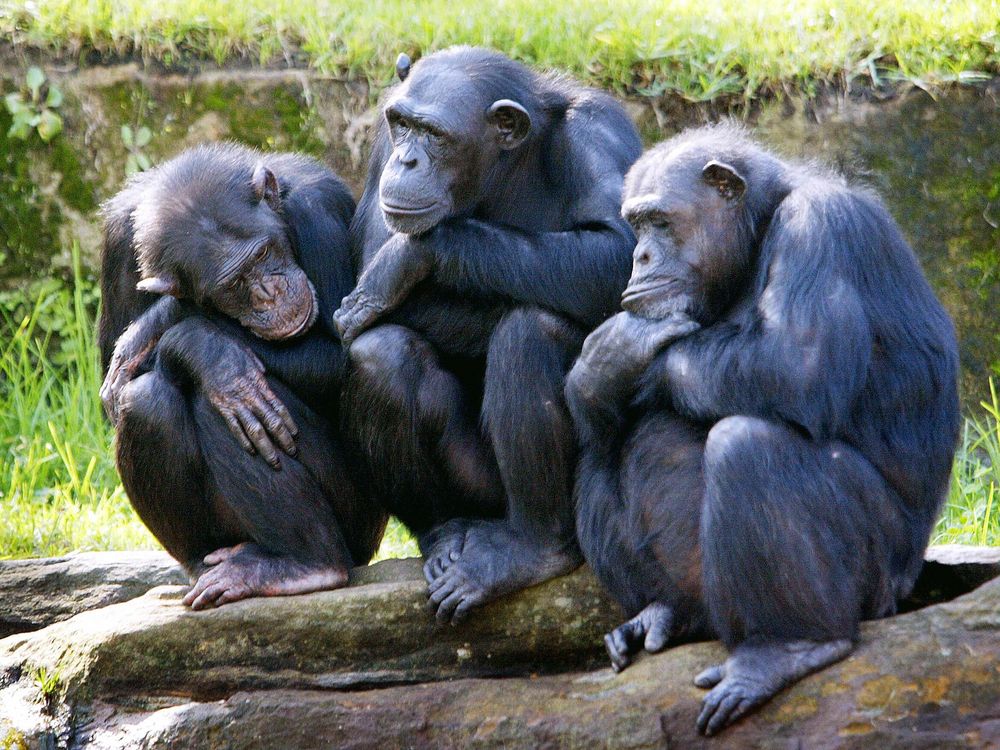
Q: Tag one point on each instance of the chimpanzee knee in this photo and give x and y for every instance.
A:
(781, 537)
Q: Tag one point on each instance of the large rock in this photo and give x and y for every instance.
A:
(300, 672)
(929, 679)
(36, 593)
(378, 631)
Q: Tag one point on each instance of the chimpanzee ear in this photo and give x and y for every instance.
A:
(159, 285)
(265, 186)
(725, 179)
(403, 66)
(511, 121)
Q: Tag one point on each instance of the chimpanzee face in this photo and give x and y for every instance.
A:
(224, 243)
(265, 290)
(445, 139)
(686, 210)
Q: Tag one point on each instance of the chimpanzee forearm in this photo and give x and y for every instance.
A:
(805, 378)
(580, 273)
(311, 364)
(228, 374)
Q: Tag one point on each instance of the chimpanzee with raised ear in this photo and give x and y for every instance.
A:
(222, 269)
(768, 428)
(490, 240)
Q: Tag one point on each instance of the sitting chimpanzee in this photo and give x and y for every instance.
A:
(491, 241)
(250, 254)
(768, 429)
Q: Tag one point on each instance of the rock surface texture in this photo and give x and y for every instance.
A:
(368, 667)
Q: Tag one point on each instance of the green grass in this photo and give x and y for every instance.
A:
(59, 490)
(699, 50)
(972, 515)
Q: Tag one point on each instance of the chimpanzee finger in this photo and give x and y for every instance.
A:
(258, 436)
(286, 417)
(237, 430)
(274, 426)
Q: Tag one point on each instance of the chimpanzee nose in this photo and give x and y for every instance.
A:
(270, 288)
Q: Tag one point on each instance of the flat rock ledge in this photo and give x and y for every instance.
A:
(367, 666)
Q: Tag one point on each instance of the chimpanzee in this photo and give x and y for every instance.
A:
(491, 241)
(249, 254)
(768, 428)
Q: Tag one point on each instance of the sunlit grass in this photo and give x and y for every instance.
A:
(696, 49)
(972, 515)
(59, 490)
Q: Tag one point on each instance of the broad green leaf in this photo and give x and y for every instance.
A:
(143, 137)
(131, 165)
(143, 161)
(13, 102)
(127, 137)
(50, 125)
(19, 129)
(34, 78)
(54, 98)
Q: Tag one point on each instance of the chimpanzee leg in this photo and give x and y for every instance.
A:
(657, 559)
(532, 434)
(425, 456)
(292, 521)
(160, 463)
(799, 539)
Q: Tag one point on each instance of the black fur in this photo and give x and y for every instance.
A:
(186, 475)
(775, 477)
(456, 402)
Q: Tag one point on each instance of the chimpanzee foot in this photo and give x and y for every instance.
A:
(650, 630)
(441, 546)
(494, 561)
(756, 673)
(247, 570)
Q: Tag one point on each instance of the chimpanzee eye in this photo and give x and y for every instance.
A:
(659, 221)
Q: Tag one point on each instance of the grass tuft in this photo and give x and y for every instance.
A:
(694, 49)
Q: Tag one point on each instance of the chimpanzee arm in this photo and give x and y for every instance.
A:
(231, 377)
(134, 347)
(311, 365)
(804, 354)
(580, 272)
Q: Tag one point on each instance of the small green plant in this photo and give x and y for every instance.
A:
(49, 685)
(33, 108)
(135, 141)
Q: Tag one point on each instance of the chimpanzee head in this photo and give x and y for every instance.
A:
(697, 203)
(450, 121)
(209, 228)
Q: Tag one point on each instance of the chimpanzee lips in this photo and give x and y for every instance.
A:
(394, 208)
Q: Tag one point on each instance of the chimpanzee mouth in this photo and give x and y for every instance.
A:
(392, 208)
(657, 290)
(304, 324)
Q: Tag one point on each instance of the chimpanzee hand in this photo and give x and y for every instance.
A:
(621, 349)
(231, 377)
(132, 349)
(399, 265)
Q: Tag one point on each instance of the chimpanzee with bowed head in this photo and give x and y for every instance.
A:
(221, 272)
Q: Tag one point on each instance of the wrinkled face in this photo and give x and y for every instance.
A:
(445, 138)
(218, 242)
(685, 211)
(263, 288)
